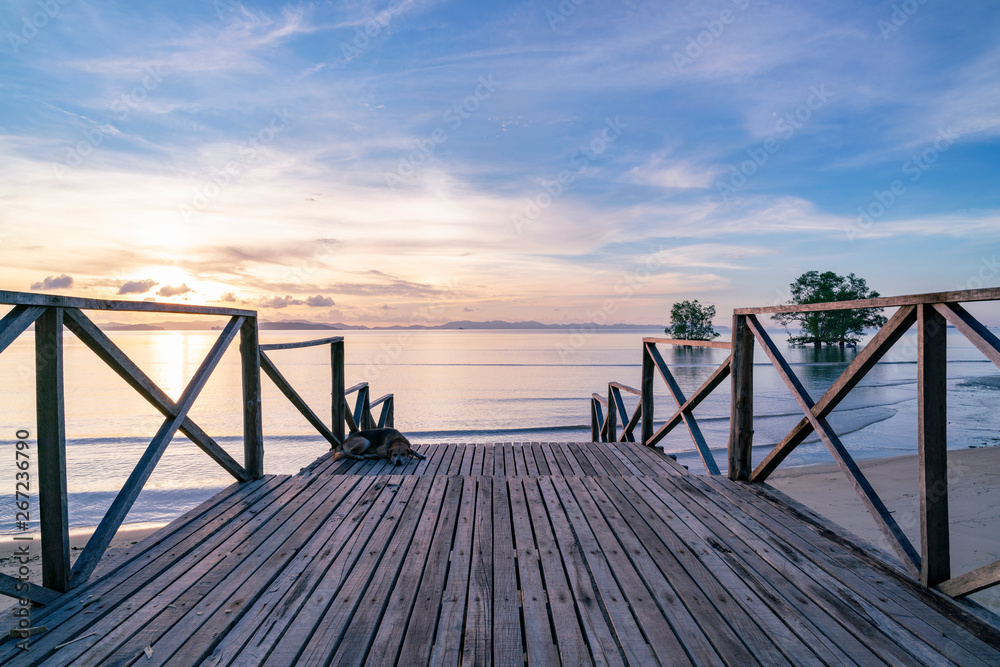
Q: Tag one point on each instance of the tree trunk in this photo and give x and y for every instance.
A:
(817, 344)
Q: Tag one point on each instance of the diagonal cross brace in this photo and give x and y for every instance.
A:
(272, 372)
(692, 425)
(872, 353)
(16, 321)
(123, 502)
(88, 332)
(878, 510)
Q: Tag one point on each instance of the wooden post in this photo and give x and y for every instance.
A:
(51, 462)
(741, 401)
(646, 400)
(253, 432)
(612, 420)
(337, 401)
(595, 427)
(932, 440)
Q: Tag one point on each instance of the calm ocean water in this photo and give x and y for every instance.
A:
(450, 386)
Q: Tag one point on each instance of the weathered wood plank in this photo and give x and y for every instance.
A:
(984, 339)
(15, 322)
(987, 294)
(305, 343)
(338, 399)
(448, 640)
(972, 582)
(33, 299)
(19, 588)
(932, 445)
(506, 619)
(615, 601)
(646, 395)
(477, 644)
(418, 639)
(741, 401)
(337, 596)
(540, 461)
(603, 644)
(397, 570)
(51, 450)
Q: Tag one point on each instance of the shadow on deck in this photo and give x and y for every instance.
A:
(585, 553)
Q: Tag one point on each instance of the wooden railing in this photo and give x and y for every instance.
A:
(931, 313)
(50, 314)
(341, 414)
(604, 429)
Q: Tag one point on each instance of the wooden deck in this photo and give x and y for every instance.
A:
(542, 554)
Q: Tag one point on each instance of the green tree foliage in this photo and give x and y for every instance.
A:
(689, 320)
(843, 327)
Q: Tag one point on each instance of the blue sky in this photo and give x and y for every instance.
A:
(383, 162)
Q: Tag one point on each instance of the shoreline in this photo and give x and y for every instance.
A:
(973, 504)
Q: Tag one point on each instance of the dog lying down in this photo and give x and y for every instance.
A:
(379, 443)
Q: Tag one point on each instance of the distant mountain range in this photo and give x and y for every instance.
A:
(305, 325)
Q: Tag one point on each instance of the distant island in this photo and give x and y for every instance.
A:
(306, 325)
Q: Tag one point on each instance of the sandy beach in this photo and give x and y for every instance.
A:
(973, 504)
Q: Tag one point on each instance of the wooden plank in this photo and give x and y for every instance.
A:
(34, 299)
(418, 639)
(528, 454)
(541, 649)
(984, 339)
(194, 596)
(252, 638)
(866, 359)
(658, 599)
(553, 462)
(569, 639)
(596, 419)
(606, 573)
(603, 643)
(722, 345)
(972, 582)
(602, 453)
(741, 401)
(335, 599)
(700, 526)
(743, 608)
(51, 450)
(477, 647)
(395, 580)
(573, 451)
(305, 343)
(510, 459)
(628, 424)
(338, 400)
(886, 597)
(293, 397)
(478, 453)
(458, 455)
(987, 294)
(234, 593)
(15, 322)
(886, 523)
(131, 581)
(611, 421)
(506, 619)
(540, 461)
(448, 640)
(19, 588)
(932, 445)
(91, 336)
(122, 503)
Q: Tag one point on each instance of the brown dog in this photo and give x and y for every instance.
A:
(379, 443)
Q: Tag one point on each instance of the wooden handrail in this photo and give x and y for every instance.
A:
(306, 343)
(930, 313)
(55, 300)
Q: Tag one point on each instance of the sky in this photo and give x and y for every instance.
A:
(560, 161)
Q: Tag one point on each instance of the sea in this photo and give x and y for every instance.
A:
(449, 386)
